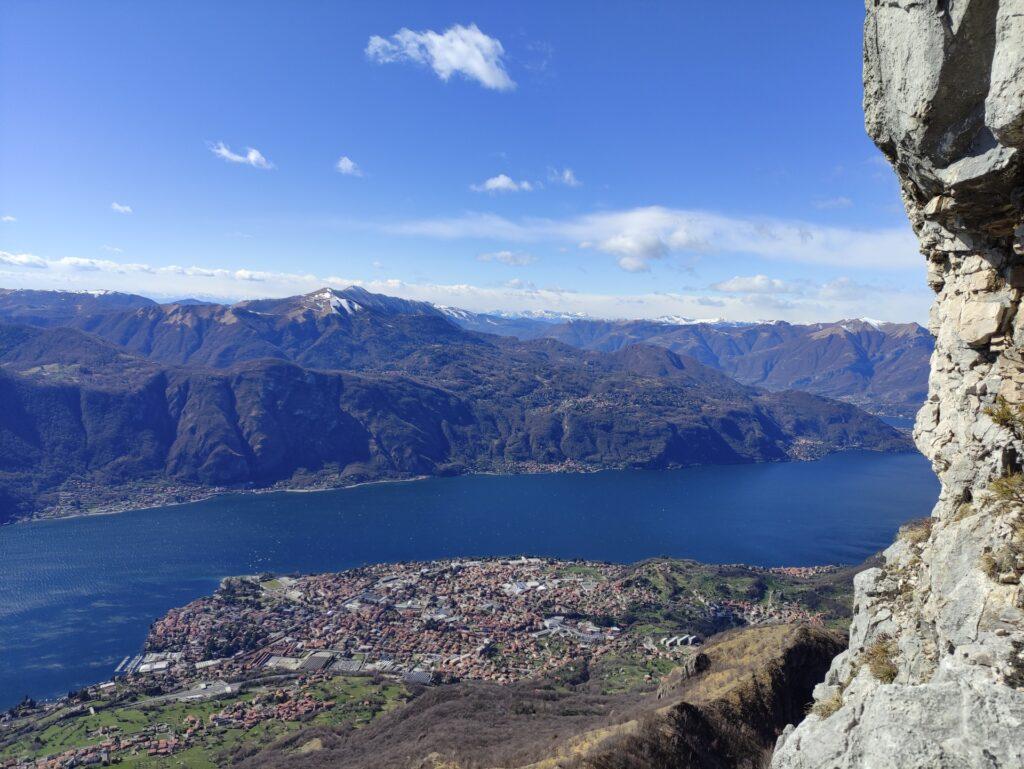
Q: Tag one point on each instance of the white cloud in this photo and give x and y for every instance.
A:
(76, 263)
(501, 183)
(639, 236)
(23, 260)
(710, 301)
(836, 299)
(755, 284)
(347, 166)
(517, 284)
(565, 176)
(252, 157)
(254, 276)
(827, 204)
(463, 50)
(846, 289)
(112, 249)
(7, 219)
(511, 258)
(635, 249)
(120, 208)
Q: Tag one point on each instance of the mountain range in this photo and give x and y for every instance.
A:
(114, 401)
(882, 367)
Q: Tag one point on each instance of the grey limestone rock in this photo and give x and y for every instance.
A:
(934, 674)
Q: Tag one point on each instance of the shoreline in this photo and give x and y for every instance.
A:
(327, 542)
(797, 573)
(214, 493)
(207, 494)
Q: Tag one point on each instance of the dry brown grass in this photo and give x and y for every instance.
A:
(1006, 559)
(826, 707)
(965, 510)
(759, 680)
(879, 659)
(917, 531)
(989, 564)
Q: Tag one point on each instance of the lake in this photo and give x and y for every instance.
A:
(78, 595)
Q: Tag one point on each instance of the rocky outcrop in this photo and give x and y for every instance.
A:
(934, 673)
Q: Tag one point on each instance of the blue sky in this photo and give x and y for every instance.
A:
(618, 159)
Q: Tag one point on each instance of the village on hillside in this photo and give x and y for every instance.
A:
(266, 652)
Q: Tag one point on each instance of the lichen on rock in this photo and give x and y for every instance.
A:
(941, 624)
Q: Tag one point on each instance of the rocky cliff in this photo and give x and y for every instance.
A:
(934, 673)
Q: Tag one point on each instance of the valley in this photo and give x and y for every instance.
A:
(512, 386)
(111, 408)
(881, 367)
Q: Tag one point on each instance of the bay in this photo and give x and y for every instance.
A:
(78, 595)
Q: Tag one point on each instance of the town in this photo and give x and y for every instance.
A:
(269, 650)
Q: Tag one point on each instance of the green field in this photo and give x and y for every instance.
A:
(358, 700)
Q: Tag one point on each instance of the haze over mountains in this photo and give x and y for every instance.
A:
(113, 400)
(882, 367)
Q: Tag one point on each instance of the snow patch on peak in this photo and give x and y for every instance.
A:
(454, 312)
(678, 320)
(851, 325)
(339, 304)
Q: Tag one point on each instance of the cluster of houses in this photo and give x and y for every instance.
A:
(156, 741)
(484, 619)
(282, 705)
(499, 620)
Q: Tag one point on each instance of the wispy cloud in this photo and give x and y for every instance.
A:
(565, 176)
(458, 50)
(518, 284)
(7, 219)
(111, 249)
(838, 298)
(347, 166)
(754, 284)
(511, 258)
(252, 157)
(828, 204)
(638, 237)
(120, 208)
(22, 260)
(501, 183)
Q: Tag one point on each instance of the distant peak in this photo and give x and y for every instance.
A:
(872, 322)
(551, 316)
(332, 300)
(454, 312)
(850, 324)
(678, 320)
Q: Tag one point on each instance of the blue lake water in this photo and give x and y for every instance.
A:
(78, 595)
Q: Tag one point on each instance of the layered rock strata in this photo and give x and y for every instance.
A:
(934, 673)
